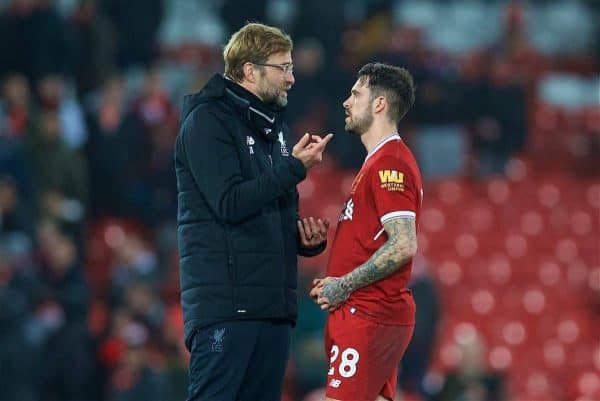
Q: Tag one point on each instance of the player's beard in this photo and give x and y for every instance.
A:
(359, 124)
(271, 94)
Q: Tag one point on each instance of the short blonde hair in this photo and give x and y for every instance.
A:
(254, 42)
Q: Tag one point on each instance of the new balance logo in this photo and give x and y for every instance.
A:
(335, 383)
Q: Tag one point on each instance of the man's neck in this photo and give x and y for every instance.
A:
(249, 87)
(376, 134)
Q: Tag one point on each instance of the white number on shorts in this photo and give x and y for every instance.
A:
(335, 351)
(350, 358)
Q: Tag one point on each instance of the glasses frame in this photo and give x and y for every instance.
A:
(287, 68)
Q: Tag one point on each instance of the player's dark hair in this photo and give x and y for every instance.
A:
(396, 84)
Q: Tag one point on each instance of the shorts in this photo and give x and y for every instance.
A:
(363, 356)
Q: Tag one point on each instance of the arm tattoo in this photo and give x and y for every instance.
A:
(397, 251)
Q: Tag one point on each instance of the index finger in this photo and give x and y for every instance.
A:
(327, 138)
(304, 140)
(323, 142)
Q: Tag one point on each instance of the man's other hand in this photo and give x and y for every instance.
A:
(312, 231)
(310, 152)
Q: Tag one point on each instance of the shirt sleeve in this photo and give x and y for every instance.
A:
(393, 188)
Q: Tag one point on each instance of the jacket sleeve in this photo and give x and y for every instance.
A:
(310, 252)
(212, 156)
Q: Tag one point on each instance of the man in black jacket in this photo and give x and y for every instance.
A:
(238, 227)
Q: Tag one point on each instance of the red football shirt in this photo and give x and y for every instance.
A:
(388, 186)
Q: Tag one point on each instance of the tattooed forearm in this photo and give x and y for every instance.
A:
(333, 291)
(398, 249)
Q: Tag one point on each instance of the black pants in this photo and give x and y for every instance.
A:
(242, 360)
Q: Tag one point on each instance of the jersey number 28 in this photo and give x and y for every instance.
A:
(347, 366)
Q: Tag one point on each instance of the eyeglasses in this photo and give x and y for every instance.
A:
(286, 68)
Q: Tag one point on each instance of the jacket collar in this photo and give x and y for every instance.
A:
(263, 118)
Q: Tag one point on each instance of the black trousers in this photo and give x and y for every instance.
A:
(241, 360)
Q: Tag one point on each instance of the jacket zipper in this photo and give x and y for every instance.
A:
(231, 267)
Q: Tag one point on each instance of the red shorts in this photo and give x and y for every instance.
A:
(363, 356)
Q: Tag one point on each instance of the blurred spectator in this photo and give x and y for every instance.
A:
(17, 211)
(152, 190)
(13, 54)
(56, 97)
(68, 351)
(20, 356)
(312, 14)
(134, 262)
(234, 13)
(499, 132)
(63, 274)
(145, 306)
(112, 135)
(16, 214)
(60, 173)
(48, 41)
(163, 190)
(136, 37)
(309, 110)
(95, 46)
(135, 378)
(471, 380)
(34, 40)
(16, 106)
(419, 353)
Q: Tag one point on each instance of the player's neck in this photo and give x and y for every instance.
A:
(376, 134)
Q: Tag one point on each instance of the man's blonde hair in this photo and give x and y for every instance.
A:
(254, 42)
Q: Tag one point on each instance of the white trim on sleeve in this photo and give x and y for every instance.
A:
(378, 234)
(392, 216)
(395, 215)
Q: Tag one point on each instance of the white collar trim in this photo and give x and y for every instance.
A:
(394, 136)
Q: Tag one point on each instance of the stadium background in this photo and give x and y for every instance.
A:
(506, 128)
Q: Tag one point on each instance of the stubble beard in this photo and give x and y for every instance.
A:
(359, 124)
(270, 96)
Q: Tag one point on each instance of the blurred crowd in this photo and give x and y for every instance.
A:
(89, 100)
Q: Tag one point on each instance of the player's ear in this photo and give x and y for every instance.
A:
(379, 104)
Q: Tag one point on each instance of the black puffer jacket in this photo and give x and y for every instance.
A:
(238, 207)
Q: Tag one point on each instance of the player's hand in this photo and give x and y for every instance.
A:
(331, 293)
(315, 289)
(310, 153)
(312, 231)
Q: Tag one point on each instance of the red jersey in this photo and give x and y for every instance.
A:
(388, 186)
